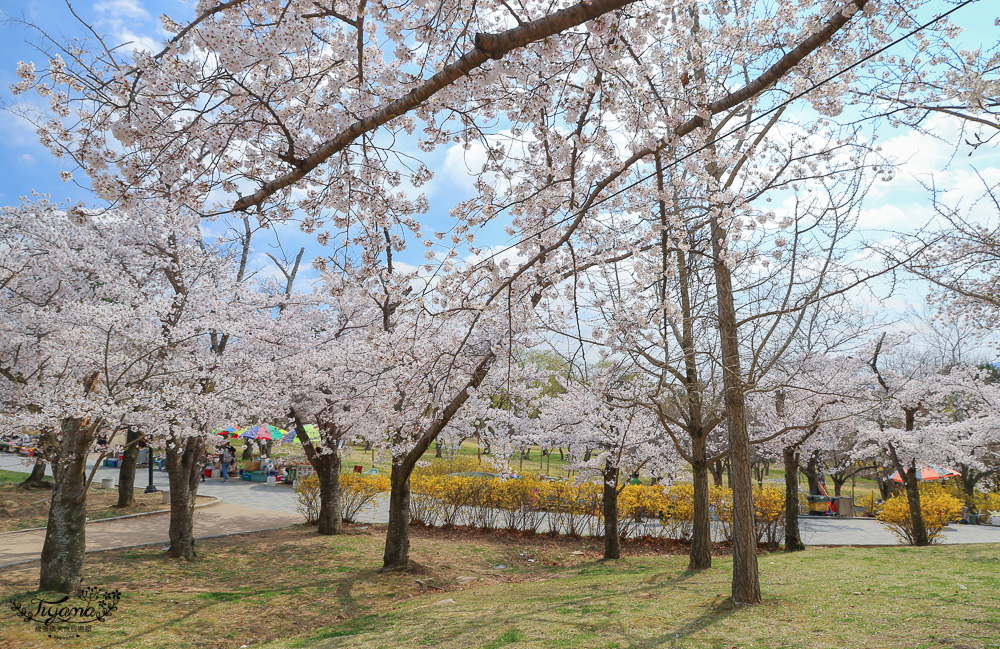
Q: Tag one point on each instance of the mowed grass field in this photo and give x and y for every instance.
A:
(294, 588)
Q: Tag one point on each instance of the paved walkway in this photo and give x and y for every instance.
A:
(279, 500)
(213, 520)
(820, 530)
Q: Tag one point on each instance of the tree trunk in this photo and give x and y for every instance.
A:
(913, 500)
(746, 580)
(909, 476)
(327, 466)
(883, 488)
(717, 469)
(793, 541)
(967, 481)
(36, 479)
(701, 527)
(811, 471)
(330, 512)
(126, 474)
(65, 533)
(612, 543)
(397, 538)
(838, 484)
(184, 466)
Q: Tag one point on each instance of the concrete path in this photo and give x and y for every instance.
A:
(815, 530)
(820, 530)
(214, 520)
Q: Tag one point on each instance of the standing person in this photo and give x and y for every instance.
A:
(225, 459)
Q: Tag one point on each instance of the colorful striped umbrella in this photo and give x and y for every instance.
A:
(263, 432)
(929, 472)
(312, 432)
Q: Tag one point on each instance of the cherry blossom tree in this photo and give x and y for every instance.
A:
(110, 325)
(288, 110)
(610, 432)
(938, 417)
(74, 352)
(816, 397)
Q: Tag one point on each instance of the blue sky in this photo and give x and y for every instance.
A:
(900, 205)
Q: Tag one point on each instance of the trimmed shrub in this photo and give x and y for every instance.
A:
(307, 497)
(769, 514)
(356, 493)
(938, 507)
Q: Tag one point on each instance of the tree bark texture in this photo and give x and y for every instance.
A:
(330, 511)
(909, 475)
(913, 500)
(126, 474)
(701, 525)
(397, 538)
(746, 580)
(612, 542)
(327, 467)
(65, 533)
(184, 466)
(793, 540)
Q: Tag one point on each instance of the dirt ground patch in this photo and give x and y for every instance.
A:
(22, 509)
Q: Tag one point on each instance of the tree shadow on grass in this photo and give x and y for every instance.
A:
(597, 615)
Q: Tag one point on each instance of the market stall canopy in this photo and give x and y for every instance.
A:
(312, 431)
(264, 432)
(929, 472)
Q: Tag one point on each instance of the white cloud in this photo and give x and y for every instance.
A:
(135, 42)
(120, 9)
(461, 165)
(909, 216)
(121, 18)
(26, 158)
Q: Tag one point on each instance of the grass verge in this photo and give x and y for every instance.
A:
(295, 588)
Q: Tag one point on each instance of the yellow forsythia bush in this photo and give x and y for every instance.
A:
(518, 502)
(937, 506)
(720, 507)
(986, 503)
(769, 514)
(529, 505)
(356, 492)
(307, 497)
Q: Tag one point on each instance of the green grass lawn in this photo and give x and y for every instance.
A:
(15, 477)
(293, 588)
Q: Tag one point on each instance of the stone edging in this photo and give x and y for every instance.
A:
(118, 518)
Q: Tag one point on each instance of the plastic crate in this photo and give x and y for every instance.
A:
(246, 476)
(258, 476)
